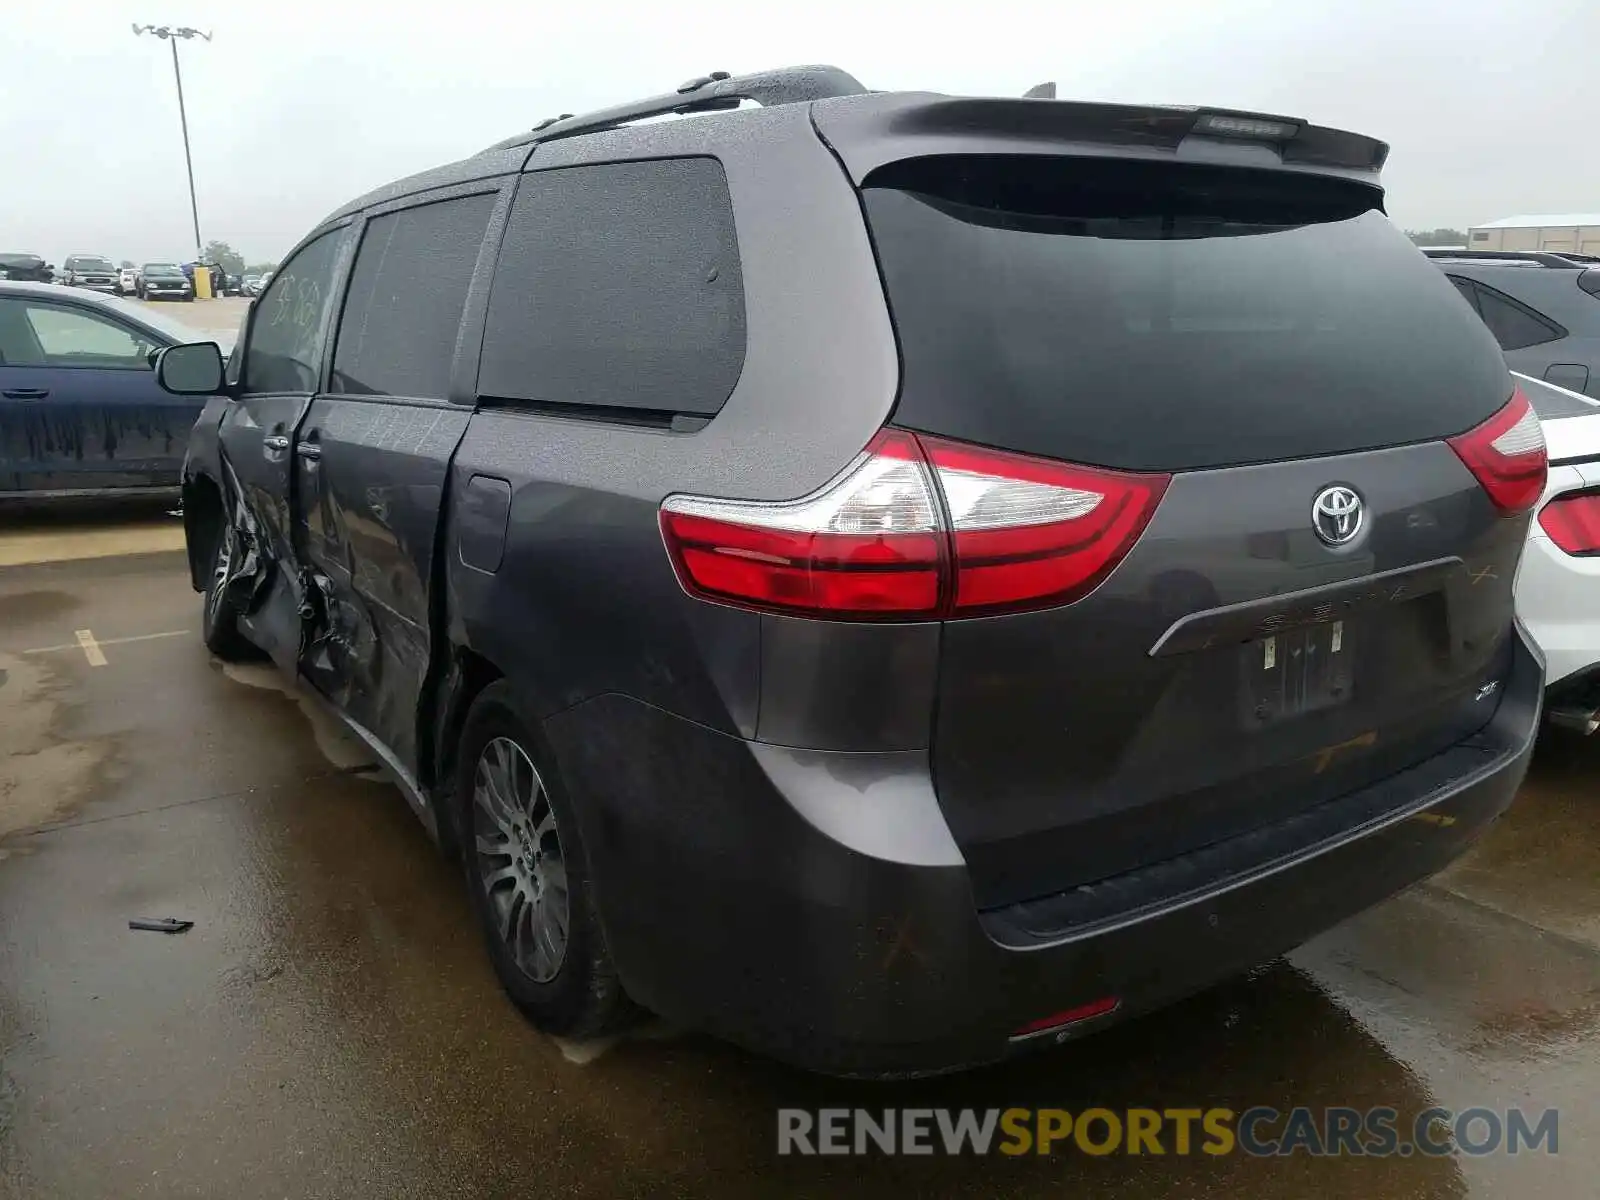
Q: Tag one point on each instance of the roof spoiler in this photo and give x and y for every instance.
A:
(888, 128)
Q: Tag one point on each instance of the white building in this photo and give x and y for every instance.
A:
(1569, 232)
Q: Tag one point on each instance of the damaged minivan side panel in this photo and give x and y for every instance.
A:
(328, 468)
(374, 452)
(282, 361)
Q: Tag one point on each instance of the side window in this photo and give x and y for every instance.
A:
(50, 335)
(19, 345)
(1514, 325)
(618, 286)
(407, 290)
(285, 350)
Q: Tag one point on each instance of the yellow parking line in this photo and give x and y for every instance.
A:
(91, 648)
(32, 546)
(116, 641)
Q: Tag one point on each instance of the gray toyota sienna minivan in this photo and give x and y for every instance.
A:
(885, 577)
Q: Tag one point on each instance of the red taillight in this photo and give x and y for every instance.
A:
(1573, 522)
(916, 528)
(1072, 1016)
(1507, 455)
(869, 544)
(1030, 532)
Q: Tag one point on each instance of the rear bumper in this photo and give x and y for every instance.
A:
(813, 907)
(1558, 598)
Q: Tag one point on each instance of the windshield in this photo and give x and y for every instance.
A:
(93, 264)
(162, 269)
(1157, 317)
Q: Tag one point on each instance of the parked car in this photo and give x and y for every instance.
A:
(250, 285)
(26, 268)
(89, 271)
(81, 411)
(1558, 584)
(979, 594)
(158, 281)
(127, 281)
(1543, 309)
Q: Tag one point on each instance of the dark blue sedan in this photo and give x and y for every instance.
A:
(81, 412)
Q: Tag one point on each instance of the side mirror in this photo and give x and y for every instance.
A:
(194, 369)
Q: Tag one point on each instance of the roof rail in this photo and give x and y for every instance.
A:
(708, 93)
(1545, 258)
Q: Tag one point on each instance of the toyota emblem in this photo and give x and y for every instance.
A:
(1337, 514)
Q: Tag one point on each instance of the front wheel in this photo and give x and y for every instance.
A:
(219, 620)
(528, 875)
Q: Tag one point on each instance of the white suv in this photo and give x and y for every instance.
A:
(1558, 584)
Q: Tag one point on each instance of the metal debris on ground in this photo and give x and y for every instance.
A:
(161, 924)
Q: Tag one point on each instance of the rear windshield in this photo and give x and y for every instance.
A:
(1152, 316)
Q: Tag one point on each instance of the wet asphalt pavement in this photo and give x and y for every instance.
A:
(330, 1027)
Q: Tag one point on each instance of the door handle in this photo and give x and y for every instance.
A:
(26, 393)
(276, 441)
(309, 450)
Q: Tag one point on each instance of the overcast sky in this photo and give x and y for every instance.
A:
(296, 107)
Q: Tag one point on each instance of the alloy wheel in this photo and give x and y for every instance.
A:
(518, 858)
(220, 567)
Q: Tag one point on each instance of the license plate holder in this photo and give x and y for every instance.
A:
(1296, 672)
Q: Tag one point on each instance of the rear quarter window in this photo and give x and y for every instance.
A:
(1514, 325)
(618, 288)
(1150, 316)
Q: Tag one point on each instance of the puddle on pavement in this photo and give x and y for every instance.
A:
(42, 774)
(338, 745)
(1542, 860)
(21, 608)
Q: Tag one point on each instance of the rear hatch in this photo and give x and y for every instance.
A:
(1239, 341)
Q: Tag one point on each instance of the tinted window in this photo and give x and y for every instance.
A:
(619, 286)
(1468, 290)
(48, 335)
(286, 339)
(1514, 325)
(407, 290)
(1160, 317)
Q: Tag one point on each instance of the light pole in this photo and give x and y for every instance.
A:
(171, 36)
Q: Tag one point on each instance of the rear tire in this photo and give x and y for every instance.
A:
(219, 620)
(528, 875)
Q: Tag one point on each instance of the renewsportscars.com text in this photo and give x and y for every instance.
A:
(1258, 1131)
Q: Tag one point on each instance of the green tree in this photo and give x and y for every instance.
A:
(1438, 237)
(225, 256)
